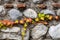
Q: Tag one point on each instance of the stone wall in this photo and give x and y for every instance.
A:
(33, 32)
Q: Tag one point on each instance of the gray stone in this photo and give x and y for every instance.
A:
(37, 1)
(14, 36)
(22, 0)
(48, 39)
(47, 11)
(13, 29)
(4, 35)
(40, 38)
(38, 31)
(2, 10)
(56, 0)
(6, 0)
(58, 12)
(30, 13)
(14, 14)
(11, 36)
(1, 36)
(54, 31)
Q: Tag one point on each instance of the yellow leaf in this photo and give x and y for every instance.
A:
(23, 33)
(1, 24)
(16, 21)
(25, 25)
(42, 18)
(37, 19)
(24, 28)
(50, 18)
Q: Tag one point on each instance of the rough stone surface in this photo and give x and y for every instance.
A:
(30, 13)
(2, 10)
(22, 0)
(47, 11)
(39, 30)
(14, 14)
(30, 4)
(11, 36)
(37, 1)
(54, 31)
(14, 36)
(58, 12)
(13, 29)
(6, 0)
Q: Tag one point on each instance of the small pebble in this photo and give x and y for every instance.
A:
(30, 13)
(22, 0)
(8, 1)
(8, 5)
(2, 10)
(41, 6)
(58, 12)
(55, 0)
(37, 1)
(56, 5)
(21, 5)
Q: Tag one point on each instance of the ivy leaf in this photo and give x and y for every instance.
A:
(33, 21)
(23, 33)
(37, 19)
(47, 16)
(41, 15)
(4, 27)
(42, 18)
(25, 25)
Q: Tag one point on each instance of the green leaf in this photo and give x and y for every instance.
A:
(42, 18)
(32, 21)
(47, 16)
(41, 15)
(4, 27)
(0, 26)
